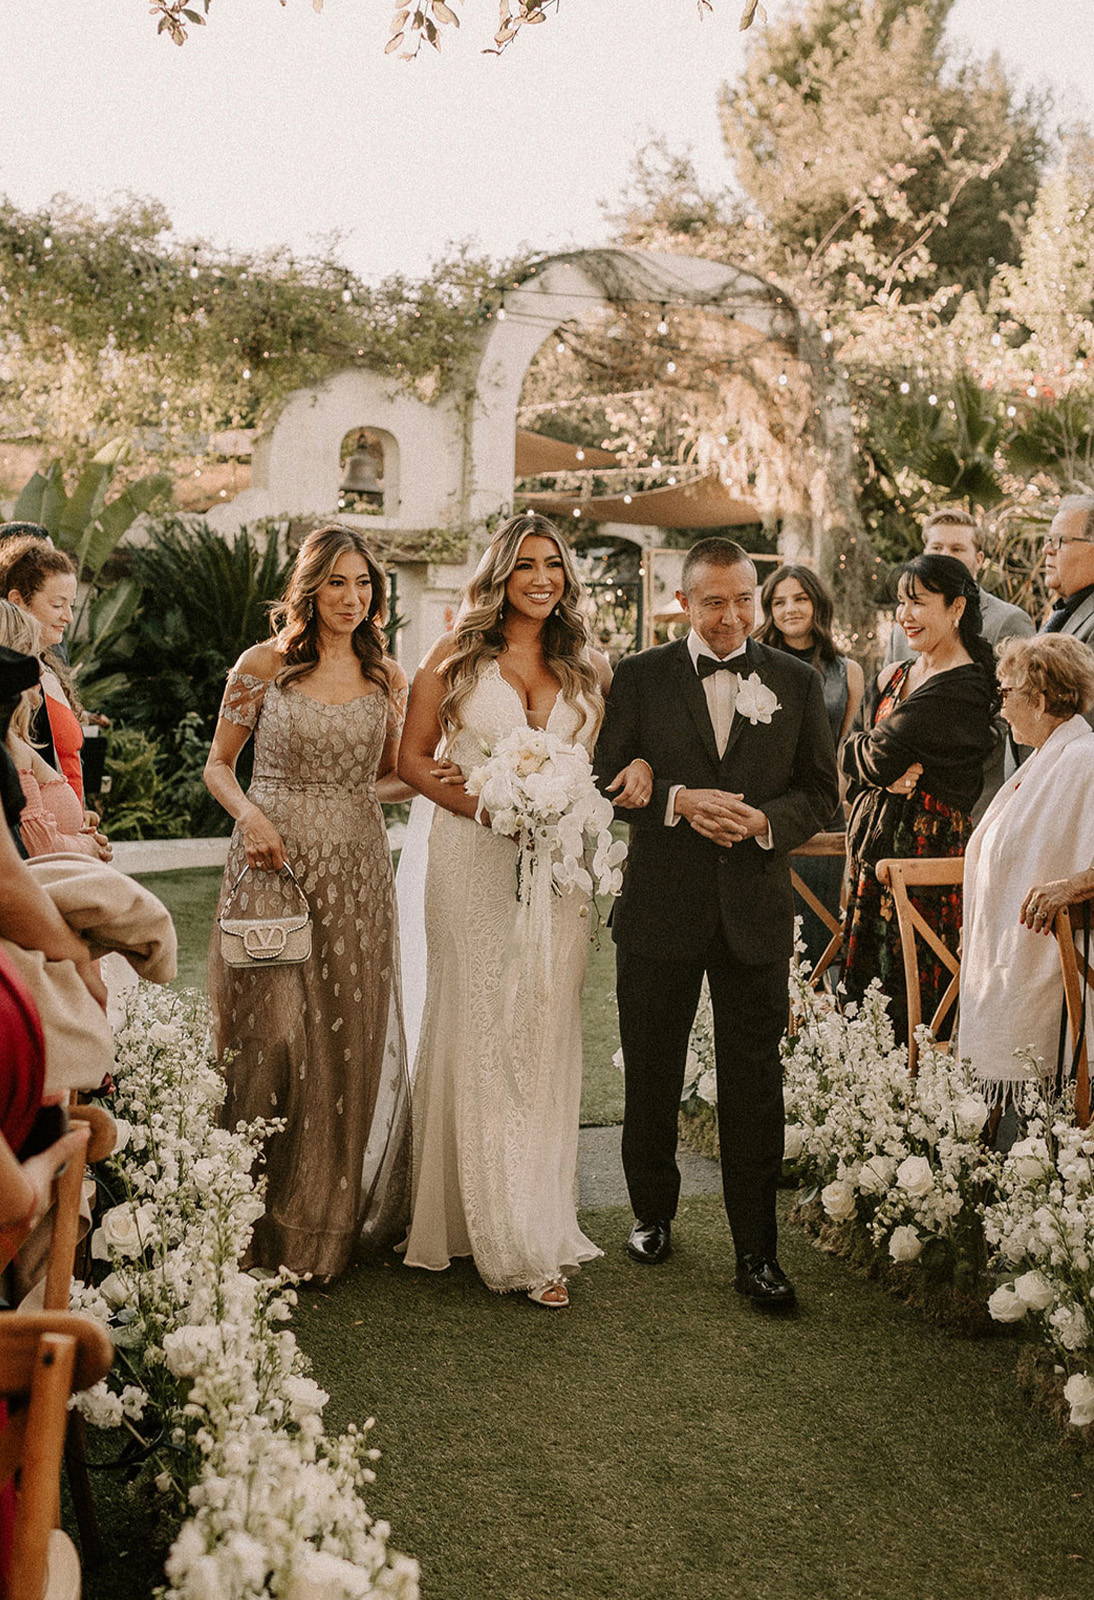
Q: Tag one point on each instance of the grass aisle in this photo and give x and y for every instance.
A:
(662, 1440)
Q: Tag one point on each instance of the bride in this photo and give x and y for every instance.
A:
(498, 1077)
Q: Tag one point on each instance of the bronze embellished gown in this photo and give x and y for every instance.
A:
(319, 1044)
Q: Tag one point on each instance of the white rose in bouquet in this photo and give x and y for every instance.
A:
(915, 1175)
(1035, 1290)
(1006, 1306)
(970, 1114)
(876, 1175)
(905, 1244)
(838, 1200)
(1079, 1394)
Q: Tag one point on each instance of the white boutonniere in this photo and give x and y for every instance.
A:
(755, 700)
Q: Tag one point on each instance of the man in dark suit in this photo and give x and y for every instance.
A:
(739, 743)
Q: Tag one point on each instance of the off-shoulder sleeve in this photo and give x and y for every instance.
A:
(243, 696)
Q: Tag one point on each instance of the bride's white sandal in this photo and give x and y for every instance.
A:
(555, 1296)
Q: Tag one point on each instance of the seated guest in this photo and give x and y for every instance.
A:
(42, 581)
(1045, 900)
(1039, 828)
(52, 818)
(915, 775)
(797, 617)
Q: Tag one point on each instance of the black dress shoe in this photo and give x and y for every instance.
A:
(764, 1282)
(650, 1242)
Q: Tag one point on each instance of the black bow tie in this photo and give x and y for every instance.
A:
(705, 665)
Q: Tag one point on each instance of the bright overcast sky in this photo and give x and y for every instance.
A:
(277, 125)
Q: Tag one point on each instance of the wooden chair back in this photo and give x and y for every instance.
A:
(44, 1358)
(1078, 979)
(821, 844)
(901, 875)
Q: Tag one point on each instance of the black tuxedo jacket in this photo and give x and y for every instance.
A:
(677, 885)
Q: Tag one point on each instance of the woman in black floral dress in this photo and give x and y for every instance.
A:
(914, 776)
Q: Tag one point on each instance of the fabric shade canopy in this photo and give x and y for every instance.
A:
(703, 503)
(537, 453)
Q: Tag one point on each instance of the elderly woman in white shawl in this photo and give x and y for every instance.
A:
(1039, 828)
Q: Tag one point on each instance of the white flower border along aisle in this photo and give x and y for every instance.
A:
(894, 1174)
(207, 1378)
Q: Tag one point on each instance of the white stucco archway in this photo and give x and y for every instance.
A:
(456, 453)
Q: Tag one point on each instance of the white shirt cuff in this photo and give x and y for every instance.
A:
(671, 818)
(764, 839)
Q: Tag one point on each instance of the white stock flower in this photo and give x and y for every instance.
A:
(876, 1175)
(1070, 1325)
(915, 1175)
(1006, 1306)
(970, 1114)
(1079, 1394)
(838, 1200)
(1030, 1159)
(905, 1244)
(1035, 1290)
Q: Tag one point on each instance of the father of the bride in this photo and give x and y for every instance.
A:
(744, 770)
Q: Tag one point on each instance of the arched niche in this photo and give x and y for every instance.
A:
(368, 461)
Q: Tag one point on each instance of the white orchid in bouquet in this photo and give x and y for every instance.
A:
(539, 790)
(1041, 1233)
(230, 1422)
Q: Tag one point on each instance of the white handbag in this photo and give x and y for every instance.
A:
(283, 941)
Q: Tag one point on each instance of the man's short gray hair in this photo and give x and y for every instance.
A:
(1084, 503)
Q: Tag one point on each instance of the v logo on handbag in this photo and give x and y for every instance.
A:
(265, 941)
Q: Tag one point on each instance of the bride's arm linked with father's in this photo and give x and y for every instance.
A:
(739, 740)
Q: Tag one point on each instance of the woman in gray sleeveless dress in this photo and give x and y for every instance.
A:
(797, 617)
(319, 1044)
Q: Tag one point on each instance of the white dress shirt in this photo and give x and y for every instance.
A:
(720, 689)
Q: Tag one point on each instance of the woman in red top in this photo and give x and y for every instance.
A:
(42, 580)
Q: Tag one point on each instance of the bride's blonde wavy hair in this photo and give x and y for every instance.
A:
(479, 633)
(295, 618)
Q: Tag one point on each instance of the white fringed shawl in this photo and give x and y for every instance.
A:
(1039, 827)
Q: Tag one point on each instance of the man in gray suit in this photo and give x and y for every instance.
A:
(954, 532)
(1069, 568)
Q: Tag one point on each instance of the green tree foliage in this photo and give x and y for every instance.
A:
(860, 145)
(110, 324)
(203, 600)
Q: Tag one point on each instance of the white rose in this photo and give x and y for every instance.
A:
(1005, 1306)
(914, 1175)
(905, 1244)
(794, 1142)
(877, 1174)
(1029, 1158)
(114, 1290)
(838, 1200)
(124, 1230)
(1035, 1290)
(1079, 1394)
(970, 1113)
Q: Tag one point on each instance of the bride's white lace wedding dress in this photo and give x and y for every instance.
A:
(497, 1085)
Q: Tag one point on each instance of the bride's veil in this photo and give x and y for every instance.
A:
(410, 904)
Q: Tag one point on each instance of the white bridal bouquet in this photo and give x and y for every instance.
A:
(539, 790)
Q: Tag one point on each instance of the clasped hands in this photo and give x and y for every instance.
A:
(719, 815)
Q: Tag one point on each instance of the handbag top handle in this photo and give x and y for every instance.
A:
(286, 870)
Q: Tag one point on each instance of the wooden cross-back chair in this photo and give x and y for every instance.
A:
(902, 874)
(821, 844)
(45, 1357)
(1077, 972)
